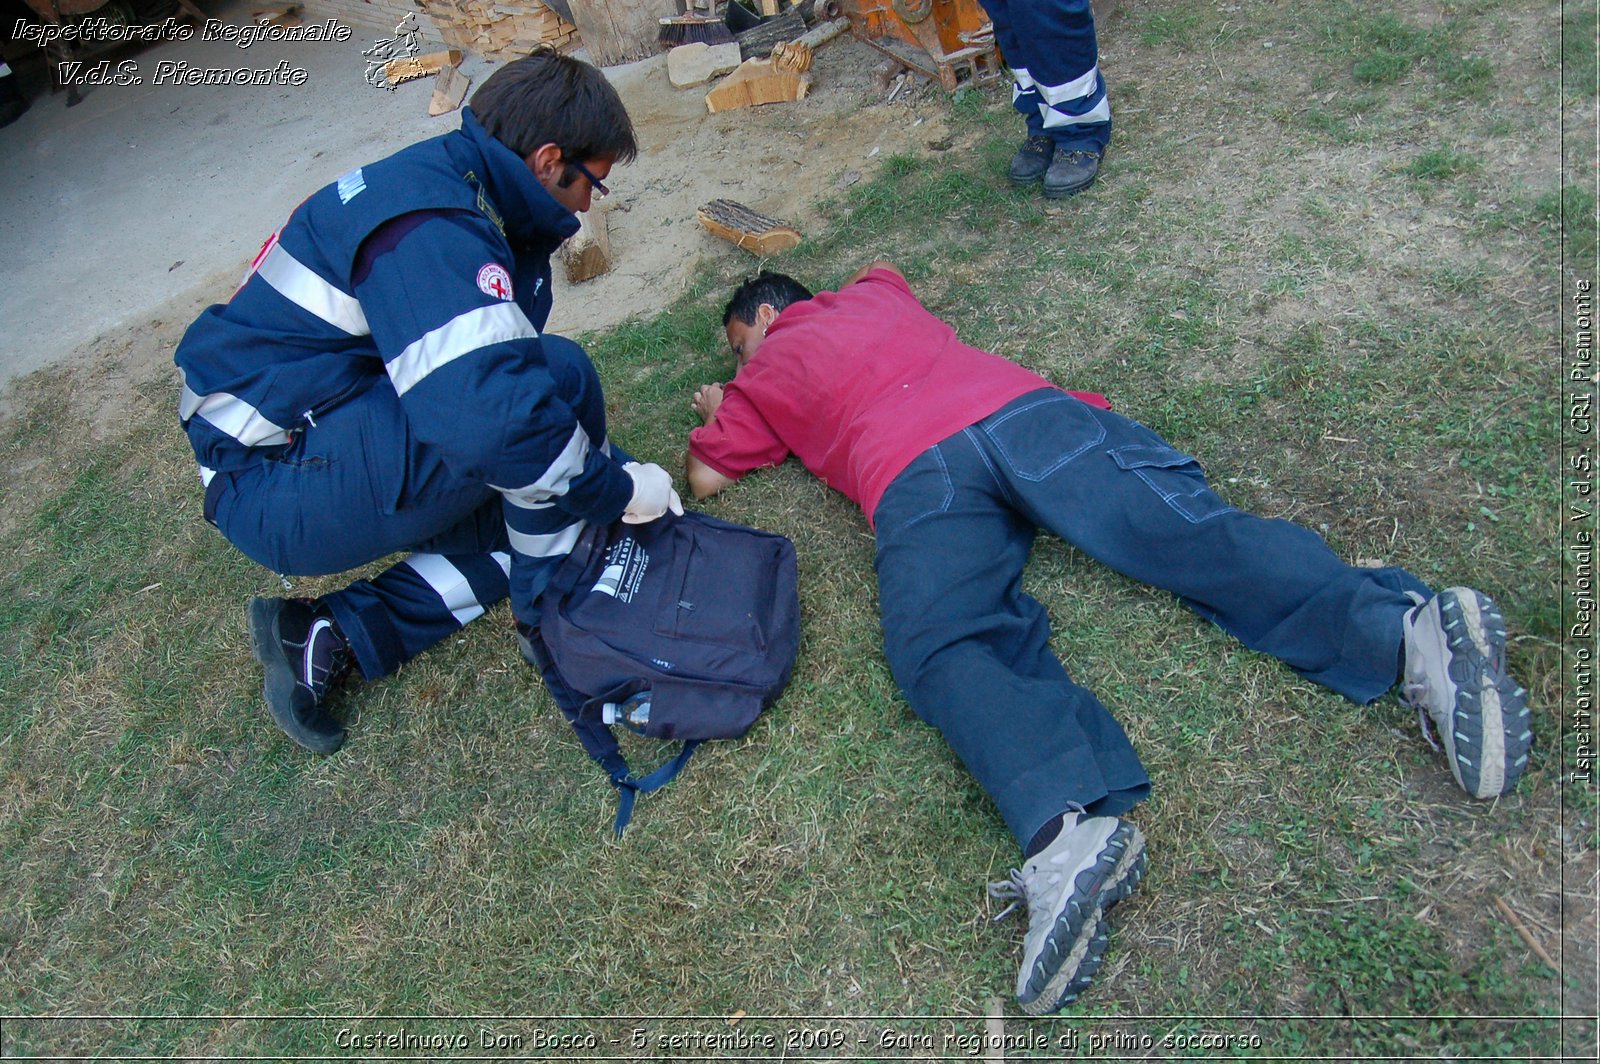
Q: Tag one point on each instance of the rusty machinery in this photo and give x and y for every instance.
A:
(950, 41)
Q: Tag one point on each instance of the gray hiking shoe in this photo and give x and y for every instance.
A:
(1455, 647)
(304, 658)
(1068, 887)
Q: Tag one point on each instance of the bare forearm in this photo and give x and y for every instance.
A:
(703, 480)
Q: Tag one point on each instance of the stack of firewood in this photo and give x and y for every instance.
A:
(501, 29)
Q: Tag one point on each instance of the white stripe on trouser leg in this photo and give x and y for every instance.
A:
(1053, 119)
(1077, 89)
(503, 560)
(549, 544)
(1022, 83)
(451, 586)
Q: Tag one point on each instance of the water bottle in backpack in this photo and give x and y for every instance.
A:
(633, 713)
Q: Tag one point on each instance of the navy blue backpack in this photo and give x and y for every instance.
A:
(685, 628)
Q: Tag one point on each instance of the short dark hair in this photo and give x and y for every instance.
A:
(777, 289)
(549, 98)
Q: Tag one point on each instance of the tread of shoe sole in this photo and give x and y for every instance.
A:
(1067, 193)
(1064, 988)
(1120, 883)
(1488, 744)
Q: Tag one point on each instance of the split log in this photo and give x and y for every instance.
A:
(587, 253)
(792, 56)
(748, 229)
(757, 81)
(449, 91)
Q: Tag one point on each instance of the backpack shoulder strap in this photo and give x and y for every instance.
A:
(628, 788)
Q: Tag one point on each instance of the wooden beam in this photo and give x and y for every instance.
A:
(621, 31)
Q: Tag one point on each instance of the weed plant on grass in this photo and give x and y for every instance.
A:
(1279, 274)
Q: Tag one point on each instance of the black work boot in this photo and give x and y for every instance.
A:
(1071, 171)
(1032, 159)
(305, 658)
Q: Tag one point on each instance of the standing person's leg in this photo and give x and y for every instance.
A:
(1130, 500)
(1038, 147)
(1054, 56)
(971, 653)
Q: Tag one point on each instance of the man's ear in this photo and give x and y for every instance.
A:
(766, 314)
(547, 162)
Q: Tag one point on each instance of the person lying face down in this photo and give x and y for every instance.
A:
(958, 457)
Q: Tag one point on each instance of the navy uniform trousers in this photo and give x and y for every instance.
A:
(358, 487)
(971, 652)
(1051, 49)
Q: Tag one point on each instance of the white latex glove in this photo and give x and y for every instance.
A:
(652, 494)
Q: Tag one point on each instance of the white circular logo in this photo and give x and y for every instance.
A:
(495, 281)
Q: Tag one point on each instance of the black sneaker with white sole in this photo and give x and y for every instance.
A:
(1455, 674)
(304, 658)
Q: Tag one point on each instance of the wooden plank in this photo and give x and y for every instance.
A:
(620, 31)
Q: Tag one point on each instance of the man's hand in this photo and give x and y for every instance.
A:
(706, 401)
(653, 494)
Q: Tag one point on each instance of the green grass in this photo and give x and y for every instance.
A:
(1441, 164)
(1579, 26)
(1343, 311)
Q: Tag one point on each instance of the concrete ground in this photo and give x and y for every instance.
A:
(146, 202)
(142, 194)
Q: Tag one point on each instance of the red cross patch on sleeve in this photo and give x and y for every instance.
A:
(494, 280)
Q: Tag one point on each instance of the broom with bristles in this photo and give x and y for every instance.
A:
(693, 29)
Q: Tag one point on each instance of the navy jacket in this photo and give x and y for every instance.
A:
(452, 324)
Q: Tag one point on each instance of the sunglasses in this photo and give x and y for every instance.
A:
(600, 190)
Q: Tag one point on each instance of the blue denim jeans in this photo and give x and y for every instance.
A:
(971, 652)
